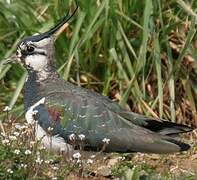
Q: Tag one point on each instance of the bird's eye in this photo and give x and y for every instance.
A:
(30, 49)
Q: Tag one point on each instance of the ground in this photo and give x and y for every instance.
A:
(176, 166)
(21, 156)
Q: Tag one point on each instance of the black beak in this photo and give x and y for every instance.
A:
(10, 60)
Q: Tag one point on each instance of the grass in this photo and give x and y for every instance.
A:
(23, 157)
(140, 53)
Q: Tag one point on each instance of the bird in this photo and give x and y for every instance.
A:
(66, 115)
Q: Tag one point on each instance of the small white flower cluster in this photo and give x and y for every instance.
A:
(42, 148)
(92, 156)
(19, 127)
(6, 142)
(73, 137)
(77, 155)
(16, 133)
(106, 140)
(17, 151)
(12, 138)
(32, 143)
(55, 168)
(81, 137)
(27, 152)
(6, 109)
(47, 161)
(38, 159)
(89, 161)
(23, 165)
(50, 129)
(121, 158)
(3, 134)
(8, 139)
(9, 171)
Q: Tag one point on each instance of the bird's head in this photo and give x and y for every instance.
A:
(36, 52)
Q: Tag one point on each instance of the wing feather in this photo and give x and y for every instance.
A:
(89, 115)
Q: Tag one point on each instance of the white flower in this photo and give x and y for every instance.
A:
(24, 132)
(5, 141)
(89, 161)
(93, 156)
(76, 155)
(32, 142)
(81, 137)
(10, 171)
(54, 178)
(78, 161)
(122, 158)
(16, 151)
(47, 161)
(42, 148)
(106, 141)
(12, 138)
(55, 168)
(3, 134)
(38, 160)
(19, 127)
(23, 165)
(50, 129)
(6, 109)
(27, 152)
(16, 134)
(72, 137)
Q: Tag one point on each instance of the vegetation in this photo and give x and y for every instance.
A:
(139, 53)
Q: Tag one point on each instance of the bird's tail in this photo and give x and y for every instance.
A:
(145, 141)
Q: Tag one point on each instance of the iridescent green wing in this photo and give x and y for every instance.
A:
(88, 115)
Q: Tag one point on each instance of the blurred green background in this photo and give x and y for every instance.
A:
(142, 54)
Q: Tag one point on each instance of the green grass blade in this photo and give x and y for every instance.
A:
(18, 90)
(94, 19)
(158, 65)
(189, 38)
(148, 10)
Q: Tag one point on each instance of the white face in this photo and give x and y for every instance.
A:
(37, 62)
(33, 54)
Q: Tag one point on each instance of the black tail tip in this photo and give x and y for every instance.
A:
(183, 146)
